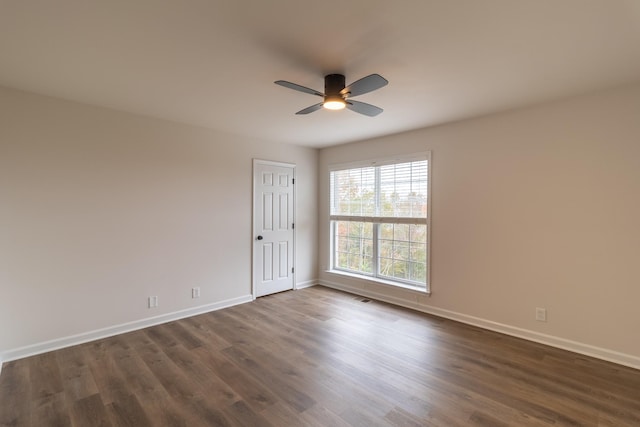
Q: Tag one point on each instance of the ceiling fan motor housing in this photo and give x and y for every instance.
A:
(333, 84)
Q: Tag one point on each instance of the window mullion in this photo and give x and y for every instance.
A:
(376, 267)
(378, 198)
(333, 257)
(376, 227)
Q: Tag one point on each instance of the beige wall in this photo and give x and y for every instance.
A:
(100, 209)
(533, 208)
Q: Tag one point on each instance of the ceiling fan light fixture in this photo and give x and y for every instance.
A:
(334, 103)
(337, 96)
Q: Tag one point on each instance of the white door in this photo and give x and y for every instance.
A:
(272, 227)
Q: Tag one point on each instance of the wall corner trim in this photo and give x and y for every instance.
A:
(550, 340)
(58, 343)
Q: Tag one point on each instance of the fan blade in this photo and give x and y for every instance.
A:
(364, 108)
(365, 85)
(310, 109)
(298, 87)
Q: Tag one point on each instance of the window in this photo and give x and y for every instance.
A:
(380, 222)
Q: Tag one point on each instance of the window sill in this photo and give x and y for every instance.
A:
(379, 281)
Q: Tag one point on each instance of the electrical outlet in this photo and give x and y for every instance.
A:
(195, 292)
(541, 314)
(153, 301)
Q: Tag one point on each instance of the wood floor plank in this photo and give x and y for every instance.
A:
(163, 370)
(183, 335)
(247, 417)
(357, 418)
(256, 394)
(50, 410)
(128, 413)
(316, 357)
(208, 414)
(281, 414)
(46, 379)
(139, 393)
(15, 394)
(137, 376)
(168, 412)
(76, 374)
(401, 418)
(90, 411)
(199, 375)
(284, 389)
(319, 416)
(106, 374)
(199, 326)
(480, 418)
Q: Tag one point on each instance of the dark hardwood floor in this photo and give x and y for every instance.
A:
(316, 357)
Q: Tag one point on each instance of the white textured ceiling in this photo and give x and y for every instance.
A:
(213, 62)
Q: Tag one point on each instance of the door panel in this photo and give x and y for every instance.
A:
(284, 259)
(273, 228)
(267, 262)
(267, 211)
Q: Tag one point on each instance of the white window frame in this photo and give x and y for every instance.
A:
(376, 221)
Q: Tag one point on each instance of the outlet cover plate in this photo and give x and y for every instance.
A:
(153, 301)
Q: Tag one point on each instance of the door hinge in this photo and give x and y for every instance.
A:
(292, 269)
(293, 226)
(293, 180)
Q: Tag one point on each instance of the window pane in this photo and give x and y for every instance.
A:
(354, 246)
(418, 252)
(342, 245)
(342, 228)
(368, 248)
(353, 192)
(418, 245)
(341, 260)
(367, 228)
(386, 266)
(386, 231)
(418, 233)
(385, 248)
(402, 252)
(400, 269)
(355, 229)
(403, 189)
(401, 232)
(418, 272)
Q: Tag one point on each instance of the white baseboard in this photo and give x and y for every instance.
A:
(553, 341)
(307, 284)
(84, 337)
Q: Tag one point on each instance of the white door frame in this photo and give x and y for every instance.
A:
(255, 213)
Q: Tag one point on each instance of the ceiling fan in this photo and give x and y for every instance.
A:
(338, 96)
